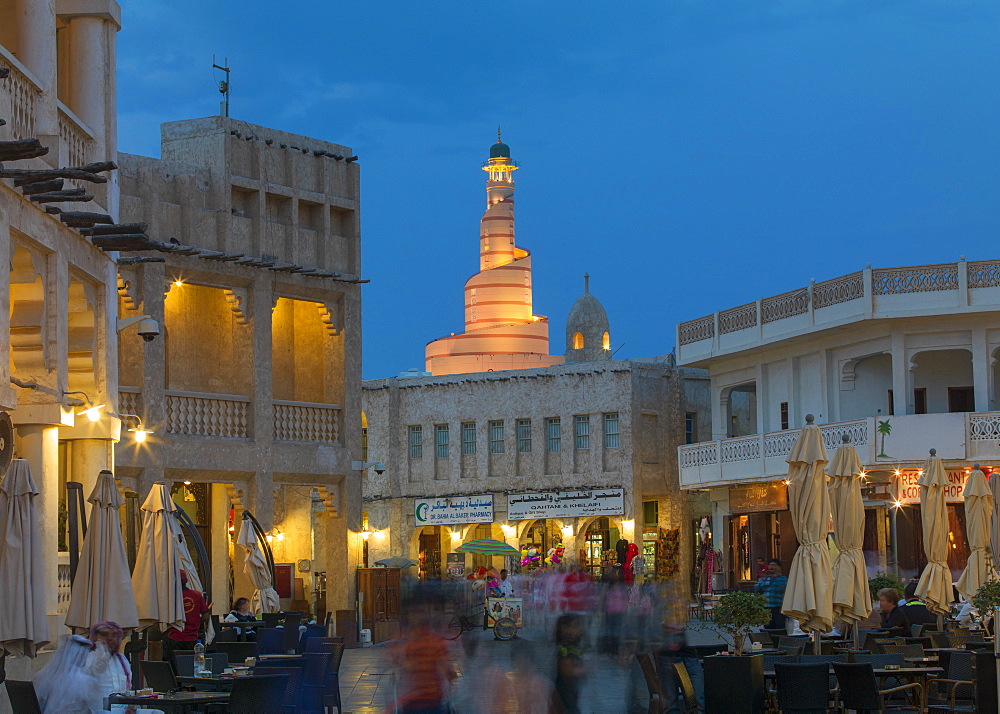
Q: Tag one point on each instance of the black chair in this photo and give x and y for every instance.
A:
(271, 641)
(762, 637)
(23, 699)
(331, 692)
(226, 634)
(291, 630)
(272, 619)
(218, 661)
(803, 688)
(185, 664)
(237, 652)
(858, 689)
(159, 675)
(320, 644)
(957, 691)
(257, 695)
(793, 650)
(683, 679)
(870, 636)
(314, 680)
(771, 659)
(290, 701)
(940, 639)
(775, 633)
(917, 630)
(878, 660)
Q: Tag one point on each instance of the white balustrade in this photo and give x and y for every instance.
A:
(738, 318)
(130, 401)
(223, 415)
(984, 426)
(64, 584)
(306, 421)
(842, 289)
(76, 144)
(23, 92)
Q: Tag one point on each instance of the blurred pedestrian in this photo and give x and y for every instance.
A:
(422, 660)
(569, 662)
(773, 587)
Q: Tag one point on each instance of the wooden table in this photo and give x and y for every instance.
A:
(185, 701)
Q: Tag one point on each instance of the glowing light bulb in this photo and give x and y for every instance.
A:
(178, 283)
(140, 435)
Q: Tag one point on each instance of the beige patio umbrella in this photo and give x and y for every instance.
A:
(265, 597)
(156, 579)
(809, 595)
(978, 516)
(934, 587)
(995, 524)
(24, 626)
(102, 588)
(852, 600)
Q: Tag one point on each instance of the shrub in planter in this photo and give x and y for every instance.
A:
(736, 613)
(885, 579)
(986, 599)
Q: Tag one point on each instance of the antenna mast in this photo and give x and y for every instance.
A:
(223, 87)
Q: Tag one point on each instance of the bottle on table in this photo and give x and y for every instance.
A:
(199, 659)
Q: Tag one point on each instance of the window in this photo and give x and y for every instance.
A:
(690, 427)
(553, 434)
(606, 341)
(416, 442)
(441, 439)
(892, 403)
(961, 399)
(524, 436)
(364, 443)
(784, 415)
(577, 341)
(612, 438)
(920, 401)
(468, 437)
(581, 429)
(496, 437)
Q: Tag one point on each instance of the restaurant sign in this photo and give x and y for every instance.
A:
(908, 490)
(454, 510)
(566, 504)
(758, 497)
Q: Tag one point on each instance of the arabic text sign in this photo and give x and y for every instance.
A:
(908, 490)
(453, 510)
(566, 504)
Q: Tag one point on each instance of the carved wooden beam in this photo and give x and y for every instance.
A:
(42, 187)
(70, 194)
(116, 229)
(112, 242)
(21, 149)
(90, 172)
(80, 217)
(133, 259)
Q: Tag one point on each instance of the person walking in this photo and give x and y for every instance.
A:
(773, 588)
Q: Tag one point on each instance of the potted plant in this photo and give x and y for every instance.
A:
(986, 599)
(885, 579)
(736, 684)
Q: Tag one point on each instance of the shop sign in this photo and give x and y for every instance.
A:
(453, 510)
(908, 490)
(758, 497)
(566, 504)
(455, 563)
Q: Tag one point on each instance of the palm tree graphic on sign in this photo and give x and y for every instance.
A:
(884, 428)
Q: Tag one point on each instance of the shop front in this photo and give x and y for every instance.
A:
(443, 524)
(759, 526)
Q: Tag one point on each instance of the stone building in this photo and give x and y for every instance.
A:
(247, 390)
(58, 350)
(901, 360)
(501, 329)
(476, 453)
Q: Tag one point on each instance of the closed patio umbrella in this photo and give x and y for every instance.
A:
(24, 626)
(934, 587)
(265, 597)
(102, 588)
(995, 524)
(852, 600)
(156, 579)
(809, 595)
(978, 516)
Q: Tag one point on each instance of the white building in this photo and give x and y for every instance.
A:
(911, 352)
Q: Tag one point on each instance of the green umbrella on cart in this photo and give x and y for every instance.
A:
(488, 546)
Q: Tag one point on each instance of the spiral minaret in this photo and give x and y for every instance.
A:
(501, 332)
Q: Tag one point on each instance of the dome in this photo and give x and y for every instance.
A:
(588, 335)
(499, 150)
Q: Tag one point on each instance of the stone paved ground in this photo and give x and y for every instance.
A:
(367, 680)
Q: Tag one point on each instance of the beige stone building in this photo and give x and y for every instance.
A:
(58, 350)
(480, 455)
(252, 391)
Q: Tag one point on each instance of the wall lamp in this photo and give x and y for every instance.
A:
(139, 430)
(93, 411)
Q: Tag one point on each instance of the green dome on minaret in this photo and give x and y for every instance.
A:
(499, 149)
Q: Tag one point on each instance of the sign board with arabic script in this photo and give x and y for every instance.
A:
(566, 504)
(758, 497)
(453, 510)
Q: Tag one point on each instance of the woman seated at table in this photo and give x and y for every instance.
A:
(241, 611)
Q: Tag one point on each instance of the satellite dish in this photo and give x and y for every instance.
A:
(6, 442)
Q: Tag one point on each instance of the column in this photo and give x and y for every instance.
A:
(87, 79)
(260, 499)
(218, 549)
(901, 396)
(39, 445)
(981, 369)
(262, 299)
(88, 457)
(36, 49)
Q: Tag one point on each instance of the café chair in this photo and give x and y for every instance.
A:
(22, 697)
(858, 689)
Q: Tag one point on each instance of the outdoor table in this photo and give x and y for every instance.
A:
(281, 660)
(922, 661)
(910, 674)
(184, 701)
(242, 627)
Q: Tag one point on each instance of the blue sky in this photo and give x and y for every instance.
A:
(691, 155)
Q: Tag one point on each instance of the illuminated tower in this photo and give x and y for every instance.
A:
(500, 330)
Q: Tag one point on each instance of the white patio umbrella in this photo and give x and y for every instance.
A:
(852, 600)
(934, 587)
(265, 597)
(24, 626)
(102, 588)
(809, 595)
(978, 516)
(156, 579)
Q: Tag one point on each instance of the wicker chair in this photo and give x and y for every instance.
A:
(803, 688)
(878, 644)
(22, 697)
(762, 637)
(940, 639)
(858, 689)
(793, 649)
(905, 650)
(688, 694)
(290, 701)
(271, 641)
(878, 660)
(257, 695)
(237, 652)
(657, 697)
(957, 691)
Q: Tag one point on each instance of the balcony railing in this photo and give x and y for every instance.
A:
(306, 421)
(130, 401)
(761, 457)
(76, 143)
(64, 585)
(867, 286)
(23, 91)
(222, 415)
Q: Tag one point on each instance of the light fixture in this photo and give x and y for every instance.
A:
(365, 534)
(787, 482)
(139, 430)
(178, 283)
(93, 411)
(456, 535)
(379, 535)
(567, 531)
(897, 504)
(269, 537)
(187, 483)
(508, 530)
(280, 536)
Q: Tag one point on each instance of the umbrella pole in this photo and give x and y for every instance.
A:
(817, 647)
(856, 634)
(940, 622)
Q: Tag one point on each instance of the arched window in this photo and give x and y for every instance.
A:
(606, 341)
(577, 341)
